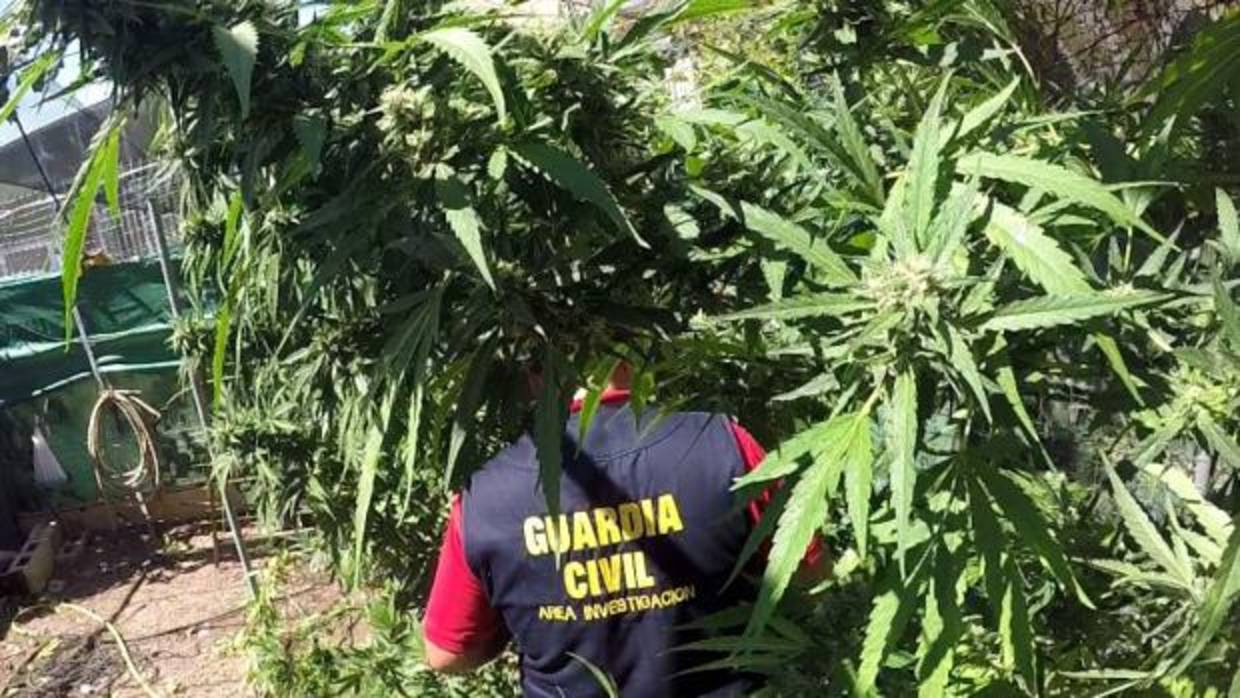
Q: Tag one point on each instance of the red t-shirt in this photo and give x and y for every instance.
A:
(458, 615)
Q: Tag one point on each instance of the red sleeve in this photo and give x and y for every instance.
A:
(752, 454)
(459, 617)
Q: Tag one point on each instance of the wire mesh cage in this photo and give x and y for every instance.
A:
(32, 227)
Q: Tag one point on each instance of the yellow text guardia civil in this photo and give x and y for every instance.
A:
(601, 527)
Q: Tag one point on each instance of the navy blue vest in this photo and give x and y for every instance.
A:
(649, 532)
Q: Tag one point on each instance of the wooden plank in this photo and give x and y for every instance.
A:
(170, 507)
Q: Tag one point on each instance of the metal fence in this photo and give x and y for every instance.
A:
(32, 227)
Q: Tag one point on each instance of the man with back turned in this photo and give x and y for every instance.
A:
(649, 532)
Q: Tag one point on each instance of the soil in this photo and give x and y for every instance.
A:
(178, 608)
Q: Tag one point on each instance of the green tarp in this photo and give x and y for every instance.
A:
(65, 414)
(125, 308)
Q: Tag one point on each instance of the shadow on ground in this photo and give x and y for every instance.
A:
(178, 601)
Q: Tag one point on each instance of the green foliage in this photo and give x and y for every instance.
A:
(1197, 76)
(1228, 225)
(1147, 536)
(464, 221)
(569, 173)
(798, 240)
(1052, 179)
(806, 508)
(471, 51)
(99, 170)
(870, 229)
(293, 654)
(1049, 311)
(1219, 598)
(238, 47)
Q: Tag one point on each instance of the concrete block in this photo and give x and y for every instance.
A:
(32, 566)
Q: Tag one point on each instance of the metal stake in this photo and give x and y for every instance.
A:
(200, 401)
(87, 348)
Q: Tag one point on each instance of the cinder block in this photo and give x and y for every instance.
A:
(30, 569)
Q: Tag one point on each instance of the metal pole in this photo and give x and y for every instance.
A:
(172, 299)
(165, 264)
(200, 401)
(87, 348)
(174, 303)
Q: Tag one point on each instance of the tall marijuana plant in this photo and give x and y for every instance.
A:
(981, 326)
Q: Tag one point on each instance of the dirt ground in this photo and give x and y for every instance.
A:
(177, 610)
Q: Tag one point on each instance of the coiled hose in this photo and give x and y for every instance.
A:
(137, 480)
